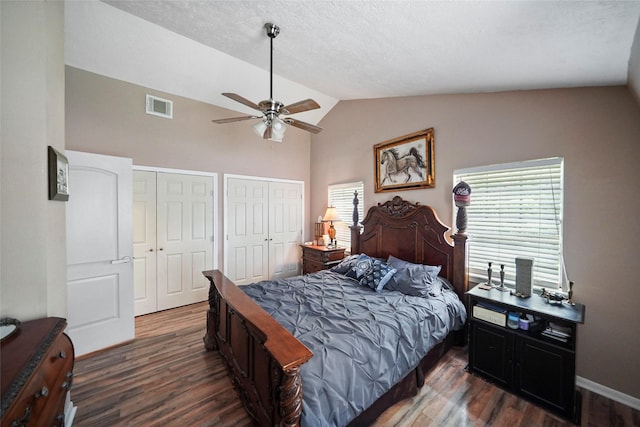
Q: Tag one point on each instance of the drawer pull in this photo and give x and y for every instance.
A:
(44, 392)
(67, 384)
(62, 354)
(24, 420)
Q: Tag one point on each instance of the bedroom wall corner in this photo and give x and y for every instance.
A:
(33, 251)
(596, 130)
(634, 66)
(107, 116)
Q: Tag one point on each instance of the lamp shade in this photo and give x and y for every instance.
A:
(331, 214)
(278, 129)
(260, 127)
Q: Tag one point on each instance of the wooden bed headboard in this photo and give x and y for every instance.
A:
(413, 233)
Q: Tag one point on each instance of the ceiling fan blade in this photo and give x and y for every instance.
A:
(234, 119)
(300, 106)
(242, 100)
(303, 125)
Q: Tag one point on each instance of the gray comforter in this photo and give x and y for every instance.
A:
(363, 342)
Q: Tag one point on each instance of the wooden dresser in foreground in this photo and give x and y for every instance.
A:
(316, 258)
(36, 371)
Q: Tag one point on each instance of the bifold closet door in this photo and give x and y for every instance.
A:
(264, 229)
(173, 239)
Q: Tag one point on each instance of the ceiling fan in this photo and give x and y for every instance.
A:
(272, 126)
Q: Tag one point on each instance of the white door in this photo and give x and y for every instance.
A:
(184, 238)
(264, 229)
(285, 229)
(247, 222)
(144, 242)
(99, 251)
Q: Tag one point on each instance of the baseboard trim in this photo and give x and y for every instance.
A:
(610, 393)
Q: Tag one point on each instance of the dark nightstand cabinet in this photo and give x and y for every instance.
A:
(526, 362)
(316, 258)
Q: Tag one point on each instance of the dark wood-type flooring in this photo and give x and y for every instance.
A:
(166, 378)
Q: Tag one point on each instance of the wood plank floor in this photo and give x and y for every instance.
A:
(166, 378)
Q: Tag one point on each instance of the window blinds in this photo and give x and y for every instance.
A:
(516, 211)
(341, 197)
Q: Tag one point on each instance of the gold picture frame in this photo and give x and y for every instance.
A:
(405, 163)
(58, 175)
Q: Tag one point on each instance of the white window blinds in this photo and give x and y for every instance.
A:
(341, 197)
(516, 211)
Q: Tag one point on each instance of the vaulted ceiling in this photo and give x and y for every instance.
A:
(341, 50)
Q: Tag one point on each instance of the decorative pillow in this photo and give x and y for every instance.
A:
(346, 264)
(446, 284)
(414, 279)
(378, 275)
(362, 264)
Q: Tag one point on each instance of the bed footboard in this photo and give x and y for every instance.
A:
(264, 359)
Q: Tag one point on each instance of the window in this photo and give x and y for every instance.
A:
(516, 211)
(341, 197)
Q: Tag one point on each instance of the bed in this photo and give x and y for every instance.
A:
(268, 360)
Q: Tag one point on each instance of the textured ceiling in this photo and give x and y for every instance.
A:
(373, 49)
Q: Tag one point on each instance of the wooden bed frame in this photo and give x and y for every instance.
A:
(264, 359)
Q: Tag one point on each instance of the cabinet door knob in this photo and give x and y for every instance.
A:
(62, 354)
(44, 392)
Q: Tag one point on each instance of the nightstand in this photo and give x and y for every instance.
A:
(316, 258)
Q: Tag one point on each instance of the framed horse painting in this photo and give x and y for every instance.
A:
(405, 163)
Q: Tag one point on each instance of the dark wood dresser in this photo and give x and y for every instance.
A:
(36, 371)
(316, 258)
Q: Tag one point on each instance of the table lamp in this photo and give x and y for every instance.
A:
(330, 216)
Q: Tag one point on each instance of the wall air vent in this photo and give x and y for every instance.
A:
(159, 107)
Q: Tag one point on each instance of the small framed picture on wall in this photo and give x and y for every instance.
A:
(58, 175)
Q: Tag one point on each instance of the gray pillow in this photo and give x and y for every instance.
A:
(346, 264)
(414, 279)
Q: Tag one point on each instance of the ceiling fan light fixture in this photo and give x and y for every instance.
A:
(277, 130)
(260, 127)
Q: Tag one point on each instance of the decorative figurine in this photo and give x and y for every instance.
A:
(462, 199)
(570, 300)
(502, 287)
(489, 271)
(552, 297)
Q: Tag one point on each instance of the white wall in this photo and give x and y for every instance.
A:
(33, 247)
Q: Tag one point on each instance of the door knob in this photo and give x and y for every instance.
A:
(122, 260)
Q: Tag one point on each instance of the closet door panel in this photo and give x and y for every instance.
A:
(185, 230)
(247, 239)
(285, 229)
(144, 242)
